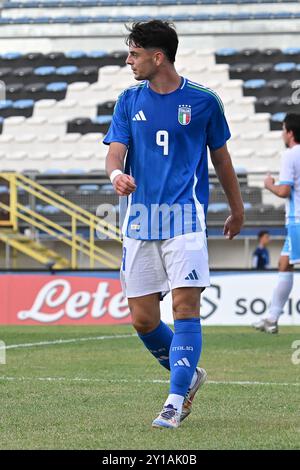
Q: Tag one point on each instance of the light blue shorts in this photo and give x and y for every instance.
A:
(291, 247)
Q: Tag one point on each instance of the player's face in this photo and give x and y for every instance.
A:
(265, 239)
(142, 62)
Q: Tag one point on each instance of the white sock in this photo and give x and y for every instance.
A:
(194, 379)
(280, 295)
(175, 400)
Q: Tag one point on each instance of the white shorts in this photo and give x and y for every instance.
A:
(150, 266)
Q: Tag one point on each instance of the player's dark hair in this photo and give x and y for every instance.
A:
(154, 34)
(262, 233)
(292, 123)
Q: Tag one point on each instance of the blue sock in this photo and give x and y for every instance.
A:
(158, 342)
(184, 354)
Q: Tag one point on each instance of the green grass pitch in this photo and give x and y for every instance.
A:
(104, 393)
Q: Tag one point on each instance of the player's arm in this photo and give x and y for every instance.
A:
(114, 165)
(222, 163)
(280, 190)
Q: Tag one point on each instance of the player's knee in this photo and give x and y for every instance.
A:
(185, 308)
(143, 325)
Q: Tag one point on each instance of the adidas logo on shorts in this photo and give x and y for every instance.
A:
(193, 276)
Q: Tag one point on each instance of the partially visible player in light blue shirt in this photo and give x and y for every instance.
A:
(288, 187)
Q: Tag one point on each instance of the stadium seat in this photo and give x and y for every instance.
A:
(45, 74)
(23, 107)
(240, 71)
(226, 55)
(34, 125)
(5, 73)
(35, 91)
(262, 70)
(88, 74)
(291, 54)
(33, 59)
(255, 87)
(271, 55)
(105, 108)
(22, 75)
(44, 108)
(68, 142)
(277, 120)
(56, 59)
(278, 87)
(11, 125)
(109, 75)
(266, 104)
(287, 105)
(5, 108)
(57, 90)
(285, 70)
(14, 91)
(80, 125)
(67, 73)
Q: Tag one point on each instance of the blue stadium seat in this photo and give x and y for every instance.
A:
(45, 70)
(96, 54)
(57, 86)
(53, 171)
(285, 66)
(4, 189)
(75, 171)
(254, 87)
(286, 70)
(291, 54)
(11, 56)
(75, 54)
(90, 188)
(50, 210)
(25, 105)
(226, 55)
(218, 207)
(104, 119)
(66, 70)
(56, 90)
(4, 104)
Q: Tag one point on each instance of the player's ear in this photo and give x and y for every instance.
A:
(158, 57)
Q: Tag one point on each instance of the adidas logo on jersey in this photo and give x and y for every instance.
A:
(140, 116)
(193, 276)
(183, 362)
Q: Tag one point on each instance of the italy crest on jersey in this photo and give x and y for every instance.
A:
(184, 114)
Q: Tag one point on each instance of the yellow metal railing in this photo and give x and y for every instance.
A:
(76, 242)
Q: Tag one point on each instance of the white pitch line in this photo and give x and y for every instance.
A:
(128, 381)
(64, 341)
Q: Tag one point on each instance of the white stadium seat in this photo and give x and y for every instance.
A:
(44, 108)
(13, 124)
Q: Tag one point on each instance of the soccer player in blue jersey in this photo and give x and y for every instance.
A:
(161, 129)
(288, 187)
(261, 257)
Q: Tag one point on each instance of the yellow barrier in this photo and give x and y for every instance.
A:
(70, 237)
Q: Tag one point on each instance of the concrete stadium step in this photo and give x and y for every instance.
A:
(34, 249)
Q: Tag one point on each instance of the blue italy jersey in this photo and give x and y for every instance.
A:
(167, 137)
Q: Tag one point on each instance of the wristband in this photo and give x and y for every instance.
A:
(115, 173)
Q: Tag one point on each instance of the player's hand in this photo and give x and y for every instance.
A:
(269, 181)
(124, 184)
(233, 225)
